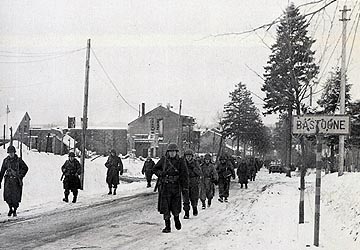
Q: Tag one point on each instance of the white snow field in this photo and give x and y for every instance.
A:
(264, 216)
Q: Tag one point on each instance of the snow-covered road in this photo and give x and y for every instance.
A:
(131, 223)
(263, 217)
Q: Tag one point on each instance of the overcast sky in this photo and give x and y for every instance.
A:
(154, 51)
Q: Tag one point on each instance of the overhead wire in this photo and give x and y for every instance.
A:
(43, 59)
(111, 81)
(4, 53)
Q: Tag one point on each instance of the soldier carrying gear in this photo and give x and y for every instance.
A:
(225, 172)
(115, 167)
(194, 181)
(209, 178)
(242, 173)
(174, 179)
(13, 170)
(147, 170)
(71, 170)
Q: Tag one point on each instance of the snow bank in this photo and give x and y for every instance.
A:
(43, 189)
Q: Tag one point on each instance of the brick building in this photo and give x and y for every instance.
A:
(153, 131)
(101, 140)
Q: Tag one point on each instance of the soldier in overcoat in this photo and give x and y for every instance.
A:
(147, 170)
(252, 169)
(114, 169)
(13, 170)
(174, 180)
(242, 173)
(208, 179)
(194, 183)
(71, 172)
(225, 171)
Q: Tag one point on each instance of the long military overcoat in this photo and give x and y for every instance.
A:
(114, 169)
(174, 178)
(13, 170)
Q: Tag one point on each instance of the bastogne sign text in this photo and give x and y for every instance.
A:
(321, 124)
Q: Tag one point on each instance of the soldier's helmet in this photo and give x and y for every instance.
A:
(172, 147)
(113, 151)
(71, 154)
(148, 158)
(11, 149)
(189, 152)
(208, 157)
(222, 158)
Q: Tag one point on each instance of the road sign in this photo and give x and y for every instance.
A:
(321, 124)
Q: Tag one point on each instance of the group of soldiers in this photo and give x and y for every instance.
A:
(191, 179)
(181, 180)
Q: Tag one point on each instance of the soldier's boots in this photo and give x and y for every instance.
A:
(245, 186)
(110, 192)
(226, 199)
(66, 199)
(114, 193)
(14, 213)
(209, 202)
(74, 199)
(195, 211)
(220, 199)
(10, 212)
(203, 205)
(177, 222)
(241, 185)
(186, 216)
(167, 228)
(148, 185)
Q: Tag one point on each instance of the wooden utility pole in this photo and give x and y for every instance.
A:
(179, 139)
(11, 136)
(342, 88)
(4, 135)
(317, 190)
(21, 142)
(85, 119)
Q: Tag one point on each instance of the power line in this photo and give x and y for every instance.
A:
(112, 83)
(352, 45)
(41, 60)
(10, 54)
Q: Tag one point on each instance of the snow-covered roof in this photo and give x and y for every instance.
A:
(14, 118)
(66, 139)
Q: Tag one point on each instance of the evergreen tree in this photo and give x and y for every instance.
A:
(291, 66)
(330, 98)
(241, 118)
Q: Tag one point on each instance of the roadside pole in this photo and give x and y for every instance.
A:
(317, 189)
(85, 111)
(344, 19)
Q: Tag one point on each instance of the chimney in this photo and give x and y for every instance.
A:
(142, 109)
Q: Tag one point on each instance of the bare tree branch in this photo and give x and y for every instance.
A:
(269, 25)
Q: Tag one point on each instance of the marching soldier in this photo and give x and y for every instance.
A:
(147, 170)
(242, 173)
(194, 182)
(115, 167)
(209, 178)
(225, 171)
(174, 180)
(252, 169)
(13, 170)
(71, 171)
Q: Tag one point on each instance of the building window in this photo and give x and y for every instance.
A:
(152, 125)
(160, 126)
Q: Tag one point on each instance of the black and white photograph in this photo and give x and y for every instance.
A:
(212, 125)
